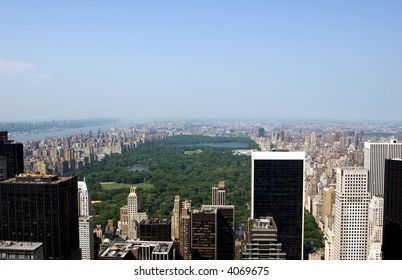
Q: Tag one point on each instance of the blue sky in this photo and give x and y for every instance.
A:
(200, 59)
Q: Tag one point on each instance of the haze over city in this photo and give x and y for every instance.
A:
(208, 59)
(200, 130)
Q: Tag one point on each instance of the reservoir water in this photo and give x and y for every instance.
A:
(217, 145)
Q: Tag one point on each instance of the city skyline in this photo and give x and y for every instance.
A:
(224, 60)
(308, 154)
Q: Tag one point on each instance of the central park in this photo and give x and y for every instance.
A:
(181, 165)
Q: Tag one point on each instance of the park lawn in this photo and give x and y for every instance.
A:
(115, 186)
(196, 152)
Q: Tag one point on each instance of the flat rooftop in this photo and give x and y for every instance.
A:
(263, 223)
(119, 250)
(35, 178)
(215, 207)
(155, 222)
(19, 246)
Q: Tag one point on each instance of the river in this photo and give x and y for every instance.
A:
(57, 133)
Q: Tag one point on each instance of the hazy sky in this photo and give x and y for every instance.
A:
(200, 59)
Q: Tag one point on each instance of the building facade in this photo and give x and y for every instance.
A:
(262, 241)
(212, 233)
(13, 154)
(134, 217)
(185, 234)
(3, 167)
(277, 190)
(392, 229)
(155, 230)
(374, 160)
(86, 232)
(124, 220)
(375, 227)
(84, 199)
(40, 208)
(176, 217)
(351, 214)
(328, 194)
(219, 194)
(85, 222)
(12, 250)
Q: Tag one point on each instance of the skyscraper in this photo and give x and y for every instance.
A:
(374, 160)
(40, 208)
(84, 200)
(219, 194)
(262, 241)
(351, 214)
(155, 230)
(328, 202)
(86, 233)
(261, 132)
(203, 237)
(277, 190)
(212, 233)
(134, 217)
(185, 232)
(375, 155)
(86, 224)
(392, 229)
(13, 154)
(124, 220)
(176, 218)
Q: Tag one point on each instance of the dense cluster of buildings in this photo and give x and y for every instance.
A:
(64, 155)
(348, 191)
(351, 183)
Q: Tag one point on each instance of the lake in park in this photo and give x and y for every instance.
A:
(216, 145)
(138, 167)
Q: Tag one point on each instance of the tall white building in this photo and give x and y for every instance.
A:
(374, 160)
(85, 222)
(84, 200)
(351, 214)
(86, 231)
(375, 226)
(133, 200)
(134, 217)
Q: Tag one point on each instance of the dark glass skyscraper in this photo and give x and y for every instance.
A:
(392, 230)
(212, 233)
(13, 154)
(3, 136)
(277, 190)
(203, 237)
(155, 230)
(35, 208)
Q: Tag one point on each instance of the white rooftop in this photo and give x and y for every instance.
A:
(277, 155)
(82, 185)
